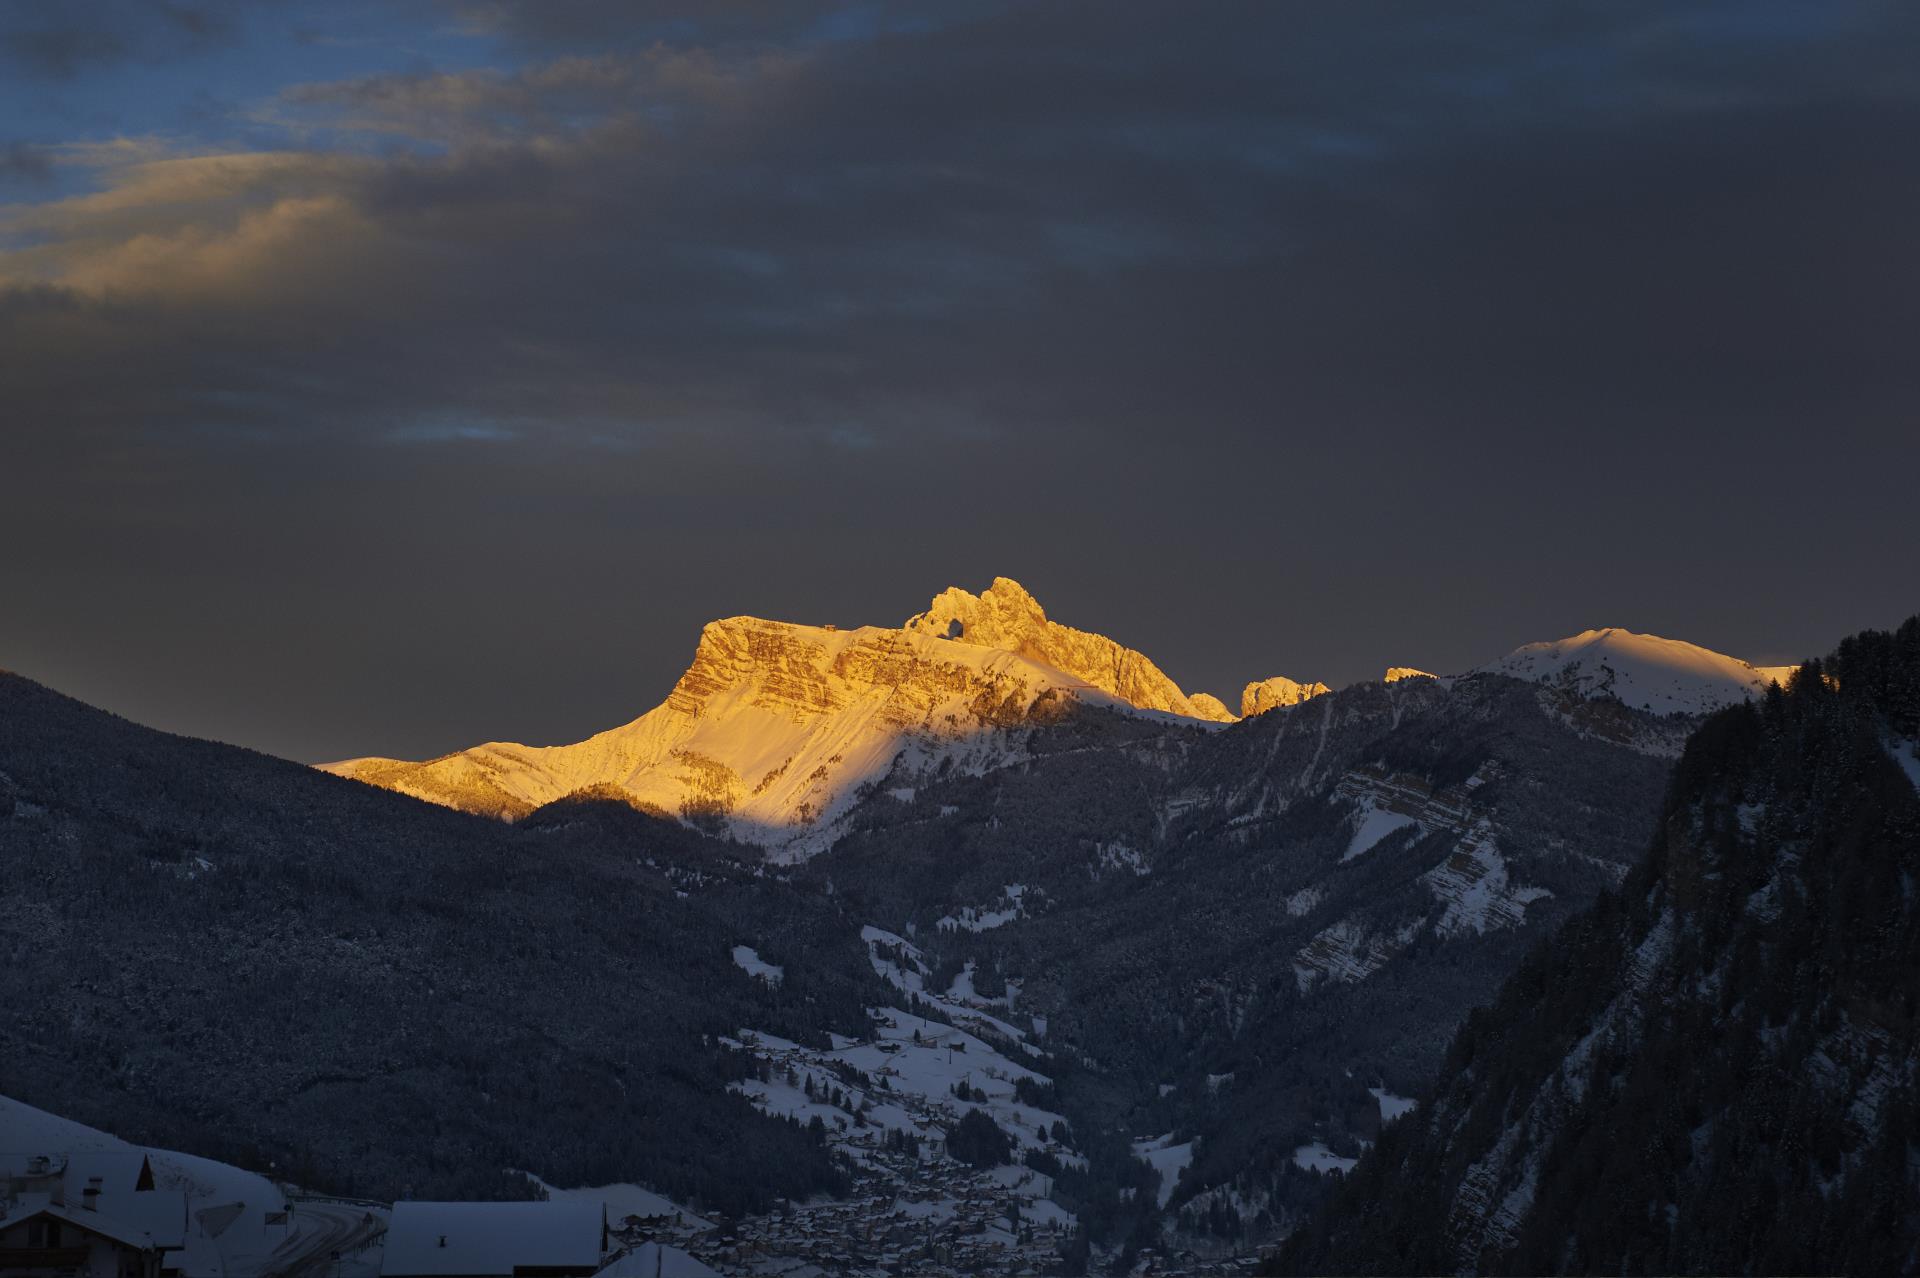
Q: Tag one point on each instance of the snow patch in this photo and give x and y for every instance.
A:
(960, 1003)
(1318, 1158)
(1474, 883)
(1348, 952)
(1118, 856)
(1907, 755)
(748, 960)
(922, 1062)
(1166, 1158)
(1375, 824)
(1391, 1106)
(986, 918)
(623, 1201)
(1302, 903)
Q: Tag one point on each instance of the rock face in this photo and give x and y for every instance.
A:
(1208, 706)
(1272, 694)
(1005, 616)
(775, 730)
(770, 732)
(1396, 673)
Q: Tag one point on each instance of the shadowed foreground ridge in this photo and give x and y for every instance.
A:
(1712, 1071)
(213, 950)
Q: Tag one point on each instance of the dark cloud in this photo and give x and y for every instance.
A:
(1272, 339)
(22, 161)
(59, 41)
(597, 25)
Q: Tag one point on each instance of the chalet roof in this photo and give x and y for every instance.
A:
(652, 1260)
(116, 1173)
(161, 1213)
(97, 1223)
(493, 1238)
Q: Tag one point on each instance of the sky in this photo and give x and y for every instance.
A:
(385, 377)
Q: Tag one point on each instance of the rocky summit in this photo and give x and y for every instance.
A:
(776, 730)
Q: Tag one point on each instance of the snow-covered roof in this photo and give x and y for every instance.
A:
(160, 1213)
(652, 1260)
(230, 1235)
(494, 1238)
(124, 1232)
(115, 1173)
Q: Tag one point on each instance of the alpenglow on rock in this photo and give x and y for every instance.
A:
(775, 730)
(1005, 616)
(1396, 673)
(1275, 693)
(1208, 706)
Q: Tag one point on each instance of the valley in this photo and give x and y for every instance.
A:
(1176, 970)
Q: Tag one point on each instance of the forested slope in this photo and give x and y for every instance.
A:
(1714, 1070)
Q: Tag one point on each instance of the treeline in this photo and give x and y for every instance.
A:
(1712, 1071)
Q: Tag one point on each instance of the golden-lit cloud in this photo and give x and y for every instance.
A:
(183, 225)
(1347, 287)
(166, 219)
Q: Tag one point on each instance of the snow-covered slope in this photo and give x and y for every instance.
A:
(1665, 676)
(775, 729)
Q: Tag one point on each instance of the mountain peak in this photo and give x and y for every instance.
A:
(1014, 594)
(1643, 671)
(777, 729)
(1007, 616)
(998, 617)
(772, 731)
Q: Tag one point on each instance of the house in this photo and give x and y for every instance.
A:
(652, 1260)
(564, 1239)
(40, 1238)
(107, 1195)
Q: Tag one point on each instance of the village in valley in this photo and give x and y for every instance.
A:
(951, 1149)
(96, 1207)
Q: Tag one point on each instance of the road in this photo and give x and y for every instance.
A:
(322, 1229)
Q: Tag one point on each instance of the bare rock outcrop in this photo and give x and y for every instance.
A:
(1274, 693)
(1005, 616)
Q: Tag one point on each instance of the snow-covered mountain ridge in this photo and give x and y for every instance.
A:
(776, 730)
(1645, 672)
